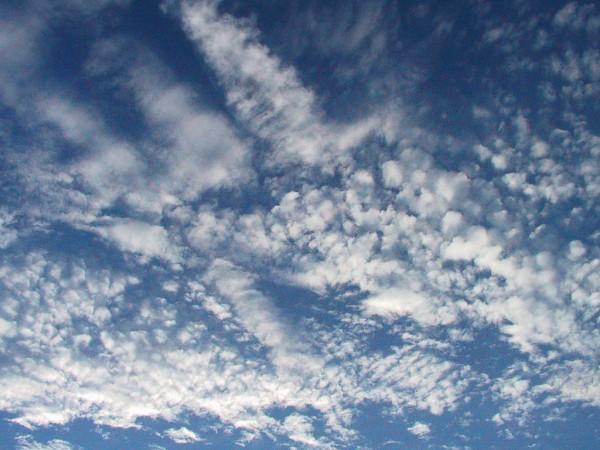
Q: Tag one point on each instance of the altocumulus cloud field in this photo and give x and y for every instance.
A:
(304, 224)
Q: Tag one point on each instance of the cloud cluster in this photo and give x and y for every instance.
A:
(265, 267)
(75, 347)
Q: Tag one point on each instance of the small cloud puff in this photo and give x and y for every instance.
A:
(182, 435)
(420, 429)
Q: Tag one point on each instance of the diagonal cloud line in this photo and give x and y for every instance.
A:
(267, 96)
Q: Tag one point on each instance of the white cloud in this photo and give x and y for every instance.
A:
(25, 442)
(256, 312)
(158, 362)
(402, 302)
(8, 234)
(420, 429)
(392, 174)
(476, 243)
(182, 435)
(578, 16)
(209, 230)
(576, 250)
(577, 381)
(440, 247)
(300, 429)
(451, 222)
(197, 137)
(267, 96)
(147, 240)
(155, 172)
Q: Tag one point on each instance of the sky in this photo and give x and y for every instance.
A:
(299, 224)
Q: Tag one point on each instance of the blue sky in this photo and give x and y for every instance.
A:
(305, 224)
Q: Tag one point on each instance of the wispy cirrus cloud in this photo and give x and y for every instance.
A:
(268, 96)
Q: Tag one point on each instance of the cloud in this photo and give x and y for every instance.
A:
(258, 316)
(300, 429)
(25, 442)
(147, 240)
(195, 135)
(67, 331)
(8, 233)
(399, 302)
(279, 274)
(577, 16)
(392, 174)
(268, 96)
(149, 174)
(182, 435)
(420, 429)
